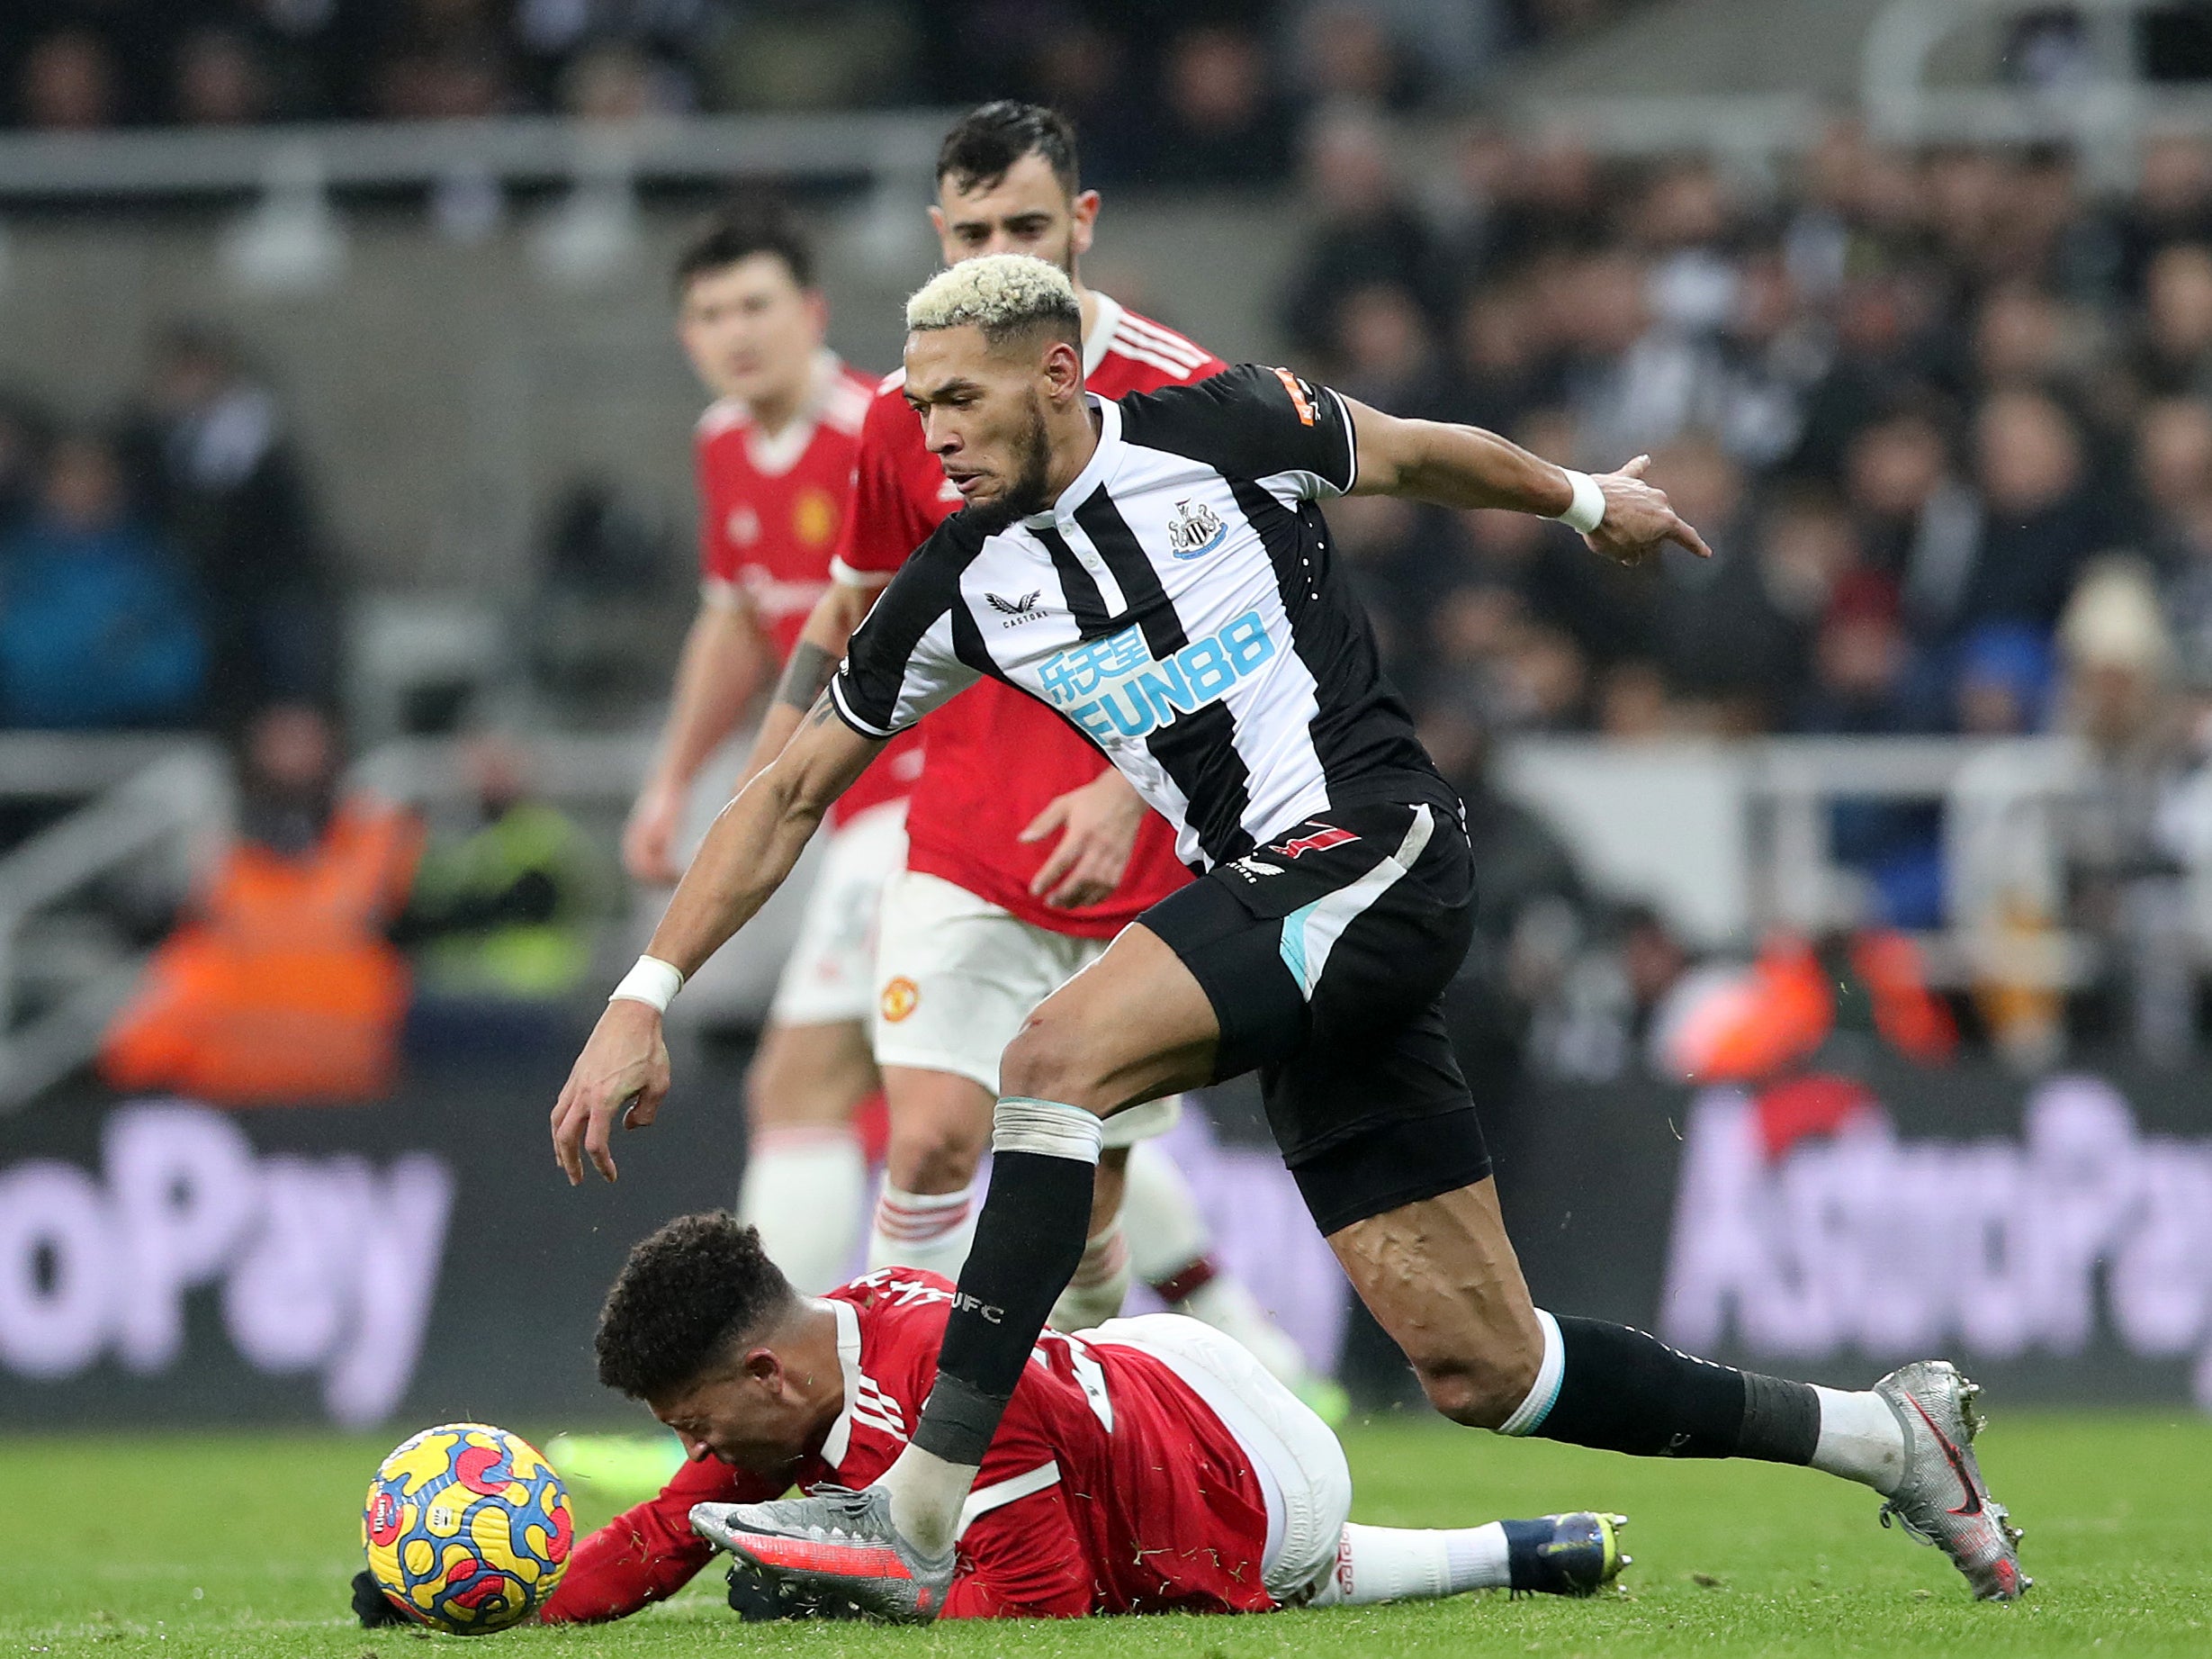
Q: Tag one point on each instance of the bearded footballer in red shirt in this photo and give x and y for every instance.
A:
(774, 453)
(1150, 1465)
(1026, 853)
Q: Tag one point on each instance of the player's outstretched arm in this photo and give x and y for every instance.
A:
(812, 666)
(1619, 515)
(758, 838)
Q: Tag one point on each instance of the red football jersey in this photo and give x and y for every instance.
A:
(997, 757)
(1110, 1487)
(771, 509)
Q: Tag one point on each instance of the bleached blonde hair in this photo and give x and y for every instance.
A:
(1000, 294)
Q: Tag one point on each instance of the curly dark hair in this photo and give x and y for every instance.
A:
(991, 137)
(696, 1286)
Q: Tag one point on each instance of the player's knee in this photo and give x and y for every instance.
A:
(1479, 1392)
(934, 1154)
(1049, 1060)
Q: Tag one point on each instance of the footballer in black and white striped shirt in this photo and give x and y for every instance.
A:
(1158, 571)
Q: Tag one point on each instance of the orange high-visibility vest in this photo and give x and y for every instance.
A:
(283, 986)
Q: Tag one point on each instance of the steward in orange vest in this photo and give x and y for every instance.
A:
(281, 984)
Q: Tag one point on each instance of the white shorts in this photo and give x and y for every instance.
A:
(960, 975)
(829, 975)
(1300, 1464)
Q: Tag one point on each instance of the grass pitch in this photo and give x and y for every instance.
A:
(242, 1545)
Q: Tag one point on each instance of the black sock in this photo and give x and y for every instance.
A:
(1028, 1239)
(1622, 1391)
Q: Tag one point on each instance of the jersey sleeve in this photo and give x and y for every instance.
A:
(887, 520)
(649, 1552)
(718, 583)
(905, 659)
(1284, 432)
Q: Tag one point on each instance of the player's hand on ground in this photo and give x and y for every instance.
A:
(371, 1606)
(622, 1069)
(1097, 826)
(649, 838)
(1638, 520)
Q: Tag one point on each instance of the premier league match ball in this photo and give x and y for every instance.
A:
(467, 1529)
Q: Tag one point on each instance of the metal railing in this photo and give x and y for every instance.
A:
(518, 150)
(175, 797)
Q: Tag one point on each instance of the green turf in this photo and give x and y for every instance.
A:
(242, 1544)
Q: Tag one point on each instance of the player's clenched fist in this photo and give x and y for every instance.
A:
(1637, 519)
(624, 1068)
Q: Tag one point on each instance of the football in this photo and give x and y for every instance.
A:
(467, 1529)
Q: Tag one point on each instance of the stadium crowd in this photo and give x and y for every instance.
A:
(1203, 91)
(1946, 418)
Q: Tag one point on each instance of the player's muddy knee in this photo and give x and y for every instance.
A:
(1479, 1392)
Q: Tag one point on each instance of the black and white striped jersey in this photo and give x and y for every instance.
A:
(1180, 605)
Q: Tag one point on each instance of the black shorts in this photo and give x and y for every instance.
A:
(1325, 953)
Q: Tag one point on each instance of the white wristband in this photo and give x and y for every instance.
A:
(1586, 511)
(651, 981)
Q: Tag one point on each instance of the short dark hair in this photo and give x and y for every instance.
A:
(750, 226)
(684, 1297)
(988, 141)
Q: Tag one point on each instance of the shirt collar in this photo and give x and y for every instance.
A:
(840, 1440)
(773, 457)
(1094, 470)
(1106, 318)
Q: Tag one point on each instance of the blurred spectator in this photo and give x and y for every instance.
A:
(1730, 631)
(229, 486)
(1861, 660)
(1383, 347)
(1221, 118)
(1366, 234)
(444, 59)
(2122, 697)
(2043, 522)
(507, 910)
(2003, 684)
(220, 80)
(1917, 520)
(97, 625)
(70, 84)
(2173, 203)
(2174, 352)
(2173, 470)
(280, 985)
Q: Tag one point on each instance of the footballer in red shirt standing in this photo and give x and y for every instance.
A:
(1026, 853)
(776, 453)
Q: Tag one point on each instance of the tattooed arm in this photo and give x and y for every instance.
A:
(812, 666)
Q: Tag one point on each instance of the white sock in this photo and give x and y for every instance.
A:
(1861, 1439)
(926, 1495)
(1166, 1230)
(1528, 1416)
(1101, 1280)
(929, 1230)
(1224, 1302)
(805, 1188)
(1393, 1563)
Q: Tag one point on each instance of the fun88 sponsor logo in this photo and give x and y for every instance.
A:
(1116, 691)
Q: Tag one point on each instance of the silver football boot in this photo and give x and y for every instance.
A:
(835, 1546)
(1944, 1500)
